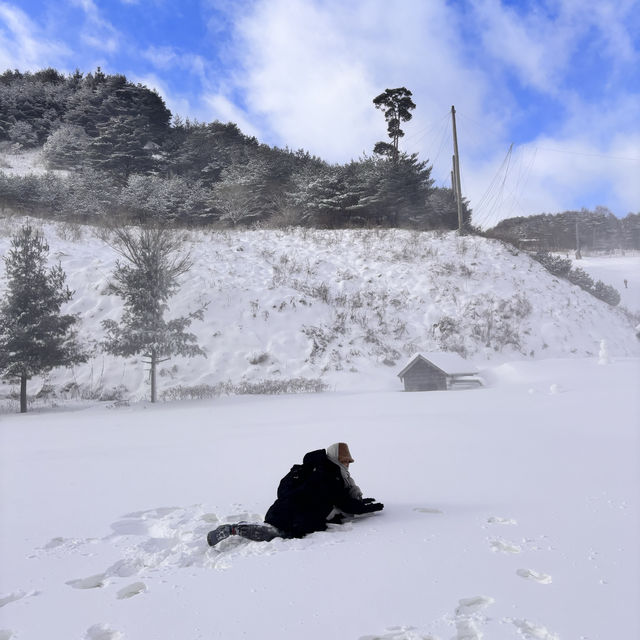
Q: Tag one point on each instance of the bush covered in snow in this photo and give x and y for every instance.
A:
(562, 267)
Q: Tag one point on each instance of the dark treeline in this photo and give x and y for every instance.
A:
(126, 157)
(597, 230)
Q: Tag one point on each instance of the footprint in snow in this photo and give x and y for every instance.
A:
(533, 631)
(17, 595)
(54, 543)
(67, 544)
(498, 520)
(426, 510)
(131, 590)
(211, 518)
(102, 631)
(529, 574)
(92, 582)
(469, 606)
(399, 633)
(504, 546)
(468, 617)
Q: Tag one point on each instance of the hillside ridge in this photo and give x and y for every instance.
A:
(344, 307)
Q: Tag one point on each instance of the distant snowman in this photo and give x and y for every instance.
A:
(603, 355)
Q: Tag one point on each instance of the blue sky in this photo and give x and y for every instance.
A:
(560, 79)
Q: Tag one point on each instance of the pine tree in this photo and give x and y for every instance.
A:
(397, 106)
(120, 147)
(34, 336)
(65, 147)
(146, 281)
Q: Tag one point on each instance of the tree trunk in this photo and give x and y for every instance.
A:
(23, 393)
(154, 359)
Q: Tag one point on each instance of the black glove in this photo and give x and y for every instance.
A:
(372, 506)
(368, 500)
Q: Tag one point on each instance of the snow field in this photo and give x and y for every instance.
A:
(510, 512)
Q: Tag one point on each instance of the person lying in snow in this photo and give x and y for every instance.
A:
(318, 491)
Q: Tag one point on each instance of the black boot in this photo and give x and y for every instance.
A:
(222, 532)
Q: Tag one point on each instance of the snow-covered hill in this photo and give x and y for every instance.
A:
(347, 307)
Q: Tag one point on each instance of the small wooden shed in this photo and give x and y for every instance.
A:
(438, 371)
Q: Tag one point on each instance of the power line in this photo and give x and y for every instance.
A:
(488, 202)
(593, 155)
(494, 197)
(424, 132)
(445, 137)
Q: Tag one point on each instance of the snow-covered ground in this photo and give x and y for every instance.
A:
(511, 512)
(24, 163)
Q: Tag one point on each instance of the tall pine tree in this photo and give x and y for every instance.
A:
(396, 104)
(34, 336)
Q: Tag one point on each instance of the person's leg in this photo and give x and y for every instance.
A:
(249, 530)
(257, 532)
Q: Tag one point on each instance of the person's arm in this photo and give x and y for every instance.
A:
(350, 505)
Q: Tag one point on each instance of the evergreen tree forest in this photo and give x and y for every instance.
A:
(597, 230)
(116, 153)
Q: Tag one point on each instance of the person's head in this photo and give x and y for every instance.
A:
(344, 455)
(339, 453)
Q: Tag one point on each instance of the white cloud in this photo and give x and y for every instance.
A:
(540, 42)
(312, 69)
(535, 46)
(221, 108)
(23, 45)
(161, 57)
(304, 79)
(97, 31)
(167, 58)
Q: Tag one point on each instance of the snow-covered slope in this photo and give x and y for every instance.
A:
(345, 306)
(25, 163)
(615, 270)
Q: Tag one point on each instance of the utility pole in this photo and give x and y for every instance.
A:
(456, 169)
(453, 177)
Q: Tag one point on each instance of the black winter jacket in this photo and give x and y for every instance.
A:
(308, 494)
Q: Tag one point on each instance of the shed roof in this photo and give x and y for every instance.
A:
(449, 363)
